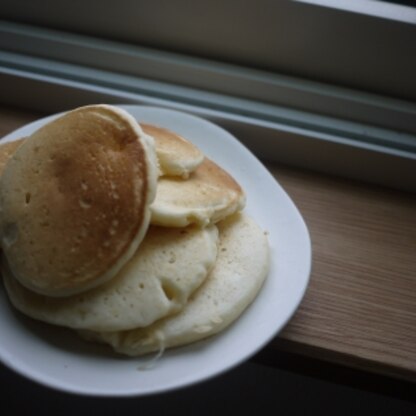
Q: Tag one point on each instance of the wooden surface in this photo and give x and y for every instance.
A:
(360, 307)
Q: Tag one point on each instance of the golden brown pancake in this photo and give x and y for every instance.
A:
(177, 156)
(75, 200)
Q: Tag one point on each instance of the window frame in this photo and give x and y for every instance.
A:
(287, 119)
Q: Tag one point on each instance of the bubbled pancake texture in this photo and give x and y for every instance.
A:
(75, 197)
(169, 265)
(69, 215)
(177, 156)
(207, 196)
(238, 274)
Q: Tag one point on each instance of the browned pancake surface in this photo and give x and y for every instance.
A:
(75, 198)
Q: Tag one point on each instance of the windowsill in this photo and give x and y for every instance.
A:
(359, 308)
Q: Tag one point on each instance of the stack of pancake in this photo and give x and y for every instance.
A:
(125, 232)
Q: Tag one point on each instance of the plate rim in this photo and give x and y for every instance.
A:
(302, 228)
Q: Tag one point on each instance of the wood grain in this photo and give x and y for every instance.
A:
(360, 307)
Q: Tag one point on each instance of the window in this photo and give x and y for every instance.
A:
(323, 84)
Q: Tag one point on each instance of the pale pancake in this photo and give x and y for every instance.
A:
(208, 196)
(75, 199)
(241, 268)
(6, 152)
(167, 268)
(177, 156)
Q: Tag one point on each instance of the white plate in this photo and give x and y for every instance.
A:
(57, 358)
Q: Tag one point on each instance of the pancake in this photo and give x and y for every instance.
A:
(209, 195)
(6, 152)
(237, 277)
(177, 156)
(75, 200)
(169, 265)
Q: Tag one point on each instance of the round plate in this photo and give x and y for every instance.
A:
(57, 358)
